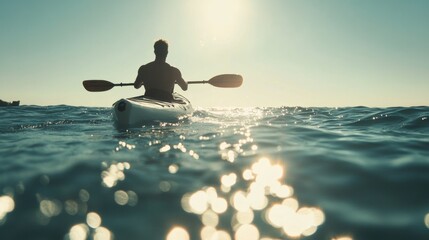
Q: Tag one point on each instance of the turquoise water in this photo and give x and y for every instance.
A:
(256, 173)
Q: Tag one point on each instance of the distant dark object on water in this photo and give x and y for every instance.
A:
(3, 103)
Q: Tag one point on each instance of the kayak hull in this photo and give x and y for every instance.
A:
(138, 111)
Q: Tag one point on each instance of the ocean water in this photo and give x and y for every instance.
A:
(244, 174)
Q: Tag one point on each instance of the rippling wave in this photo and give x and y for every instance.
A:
(238, 173)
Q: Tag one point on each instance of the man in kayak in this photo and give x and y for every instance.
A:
(158, 77)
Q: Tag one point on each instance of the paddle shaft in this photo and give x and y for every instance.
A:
(197, 82)
(124, 84)
(132, 84)
(223, 81)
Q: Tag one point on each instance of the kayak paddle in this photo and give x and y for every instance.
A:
(222, 81)
(101, 85)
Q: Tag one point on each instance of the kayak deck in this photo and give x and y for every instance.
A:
(136, 111)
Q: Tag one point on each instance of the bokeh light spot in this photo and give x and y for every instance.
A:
(178, 233)
(102, 233)
(219, 205)
(132, 198)
(173, 168)
(121, 197)
(247, 232)
(93, 220)
(84, 195)
(165, 148)
(342, 238)
(229, 180)
(50, 208)
(198, 202)
(427, 220)
(164, 186)
(210, 218)
(78, 232)
(7, 205)
(113, 174)
(71, 207)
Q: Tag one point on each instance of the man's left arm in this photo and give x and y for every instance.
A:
(180, 81)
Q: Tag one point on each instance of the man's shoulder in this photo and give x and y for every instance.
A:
(174, 69)
(142, 67)
(146, 66)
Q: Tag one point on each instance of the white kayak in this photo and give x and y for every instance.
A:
(137, 111)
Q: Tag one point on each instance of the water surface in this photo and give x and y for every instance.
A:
(254, 173)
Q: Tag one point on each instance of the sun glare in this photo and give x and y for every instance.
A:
(220, 20)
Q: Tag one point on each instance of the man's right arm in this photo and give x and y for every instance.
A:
(139, 80)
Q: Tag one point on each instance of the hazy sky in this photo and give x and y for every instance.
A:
(290, 53)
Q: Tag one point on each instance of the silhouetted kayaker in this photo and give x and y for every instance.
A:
(158, 77)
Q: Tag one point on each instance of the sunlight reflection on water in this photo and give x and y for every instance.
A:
(426, 220)
(114, 173)
(7, 205)
(92, 229)
(178, 233)
(342, 238)
(225, 174)
(264, 195)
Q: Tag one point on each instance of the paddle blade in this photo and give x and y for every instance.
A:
(97, 85)
(226, 81)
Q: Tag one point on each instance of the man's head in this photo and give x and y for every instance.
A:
(161, 48)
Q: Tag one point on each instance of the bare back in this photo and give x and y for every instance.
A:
(158, 76)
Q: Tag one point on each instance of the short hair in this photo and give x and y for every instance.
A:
(161, 47)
